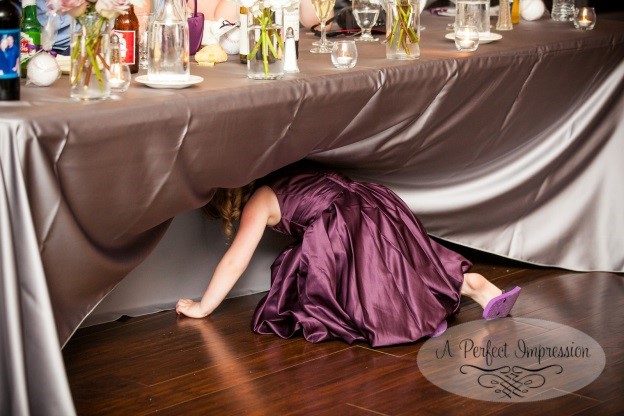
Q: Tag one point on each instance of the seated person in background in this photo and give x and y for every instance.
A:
(229, 10)
(61, 44)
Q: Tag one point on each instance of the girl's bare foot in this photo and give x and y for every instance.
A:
(479, 289)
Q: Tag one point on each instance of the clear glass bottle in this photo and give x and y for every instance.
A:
(168, 44)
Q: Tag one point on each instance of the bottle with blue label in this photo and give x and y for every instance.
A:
(9, 51)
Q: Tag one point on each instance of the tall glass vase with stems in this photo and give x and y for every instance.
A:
(403, 29)
(266, 56)
(89, 58)
(366, 13)
(323, 9)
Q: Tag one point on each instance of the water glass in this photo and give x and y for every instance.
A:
(466, 38)
(344, 54)
(585, 18)
(473, 13)
(366, 13)
(562, 10)
(144, 23)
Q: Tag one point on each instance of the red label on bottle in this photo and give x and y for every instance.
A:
(127, 40)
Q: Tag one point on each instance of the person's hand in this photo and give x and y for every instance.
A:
(190, 308)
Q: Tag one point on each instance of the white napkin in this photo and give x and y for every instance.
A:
(221, 33)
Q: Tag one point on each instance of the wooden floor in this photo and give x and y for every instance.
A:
(165, 365)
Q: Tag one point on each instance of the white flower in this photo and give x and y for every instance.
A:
(110, 9)
(261, 4)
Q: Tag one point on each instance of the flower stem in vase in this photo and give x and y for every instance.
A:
(267, 46)
(402, 29)
(88, 57)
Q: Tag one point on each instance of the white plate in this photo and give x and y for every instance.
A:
(144, 79)
(483, 37)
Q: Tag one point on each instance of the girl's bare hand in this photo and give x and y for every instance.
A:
(190, 308)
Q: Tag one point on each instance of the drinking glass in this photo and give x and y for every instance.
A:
(323, 9)
(562, 10)
(366, 13)
(473, 13)
(144, 23)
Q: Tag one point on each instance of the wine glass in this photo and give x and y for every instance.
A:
(323, 9)
(366, 13)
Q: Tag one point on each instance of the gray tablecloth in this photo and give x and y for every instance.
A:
(513, 149)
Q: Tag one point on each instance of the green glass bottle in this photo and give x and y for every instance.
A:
(30, 41)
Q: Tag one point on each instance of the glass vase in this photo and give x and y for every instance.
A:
(89, 57)
(403, 29)
(266, 48)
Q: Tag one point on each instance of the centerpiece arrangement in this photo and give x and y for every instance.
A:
(266, 46)
(91, 25)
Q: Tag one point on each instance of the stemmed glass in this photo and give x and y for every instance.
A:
(323, 9)
(366, 13)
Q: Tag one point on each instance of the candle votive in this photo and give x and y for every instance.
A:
(344, 54)
(466, 38)
(585, 18)
(119, 77)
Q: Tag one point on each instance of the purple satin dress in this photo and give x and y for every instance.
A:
(362, 267)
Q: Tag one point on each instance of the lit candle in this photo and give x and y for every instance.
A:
(344, 60)
(584, 21)
(465, 42)
(116, 82)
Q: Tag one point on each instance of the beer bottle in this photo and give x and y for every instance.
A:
(127, 28)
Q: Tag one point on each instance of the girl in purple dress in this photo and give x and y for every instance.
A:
(361, 267)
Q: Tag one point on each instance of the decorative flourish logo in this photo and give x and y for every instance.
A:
(509, 381)
(511, 360)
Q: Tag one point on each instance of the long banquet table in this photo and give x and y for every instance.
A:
(514, 149)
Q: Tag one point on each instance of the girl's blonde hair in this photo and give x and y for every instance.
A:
(227, 204)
